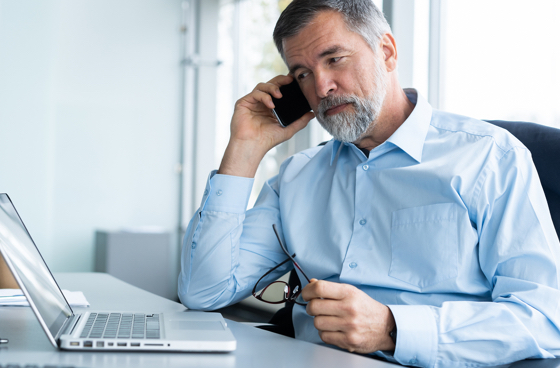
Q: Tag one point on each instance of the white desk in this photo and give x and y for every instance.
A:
(255, 347)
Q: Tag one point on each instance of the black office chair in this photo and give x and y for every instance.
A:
(544, 144)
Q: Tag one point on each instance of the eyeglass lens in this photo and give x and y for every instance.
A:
(279, 291)
(276, 292)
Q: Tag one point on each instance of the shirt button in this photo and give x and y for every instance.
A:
(193, 245)
(206, 192)
(365, 167)
(219, 192)
(353, 265)
(413, 361)
(363, 222)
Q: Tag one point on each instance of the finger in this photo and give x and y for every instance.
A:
(258, 96)
(281, 80)
(269, 88)
(272, 87)
(326, 290)
(329, 323)
(326, 307)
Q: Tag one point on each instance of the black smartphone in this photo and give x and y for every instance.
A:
(292, 106)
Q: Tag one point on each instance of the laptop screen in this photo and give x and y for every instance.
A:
(30, 269)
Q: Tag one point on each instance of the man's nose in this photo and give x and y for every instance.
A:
(324, 84)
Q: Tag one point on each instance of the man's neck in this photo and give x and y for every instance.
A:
(396, 109)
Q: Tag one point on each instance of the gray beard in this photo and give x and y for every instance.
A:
(348, 126)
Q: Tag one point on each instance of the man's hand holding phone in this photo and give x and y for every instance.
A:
(255, 129)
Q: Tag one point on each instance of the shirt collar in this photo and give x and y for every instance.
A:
(410, 136)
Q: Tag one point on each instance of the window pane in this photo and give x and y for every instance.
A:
(502, 60)
(249, 56)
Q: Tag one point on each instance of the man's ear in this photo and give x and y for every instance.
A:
(389, 48)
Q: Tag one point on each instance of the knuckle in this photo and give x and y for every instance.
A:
(320, 286)
(353, 324)
(325, 336)
(353, 339)
(350, 291)
(347, 309)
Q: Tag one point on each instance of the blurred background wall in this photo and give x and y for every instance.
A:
(89, 119)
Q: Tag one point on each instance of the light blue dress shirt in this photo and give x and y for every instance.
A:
(446, 223)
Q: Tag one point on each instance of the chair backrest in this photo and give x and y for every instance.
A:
(544, 144)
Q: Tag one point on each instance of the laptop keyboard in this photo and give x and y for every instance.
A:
(122, 326)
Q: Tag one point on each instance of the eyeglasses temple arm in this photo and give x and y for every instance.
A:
(268, 273)
(287, 253)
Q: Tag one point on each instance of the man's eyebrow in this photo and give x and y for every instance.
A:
(331, 50)
(295, 67)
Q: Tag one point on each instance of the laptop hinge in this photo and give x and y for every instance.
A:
(69, 325)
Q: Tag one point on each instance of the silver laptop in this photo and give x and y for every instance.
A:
(100, 330)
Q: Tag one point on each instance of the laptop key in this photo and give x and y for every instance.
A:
(88, 325)
(122, 326)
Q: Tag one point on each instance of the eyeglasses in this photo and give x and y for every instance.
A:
(279, 292)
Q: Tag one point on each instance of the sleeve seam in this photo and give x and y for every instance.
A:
(484, 176)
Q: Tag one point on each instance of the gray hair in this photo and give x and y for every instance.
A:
(360, 16)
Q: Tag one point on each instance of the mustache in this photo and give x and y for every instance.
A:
(332, 101)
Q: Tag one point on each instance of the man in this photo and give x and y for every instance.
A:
(414, 221)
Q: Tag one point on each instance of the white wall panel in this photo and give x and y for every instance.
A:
(89, 117)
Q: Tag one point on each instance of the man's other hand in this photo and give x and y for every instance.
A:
(255, 130)
(349, 318)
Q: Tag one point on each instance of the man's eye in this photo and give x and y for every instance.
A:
(336, 59)
(302, 75)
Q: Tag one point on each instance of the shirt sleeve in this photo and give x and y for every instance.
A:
(518, 253)
(226, 249)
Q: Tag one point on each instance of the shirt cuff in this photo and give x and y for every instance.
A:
(416, 335)
(226, 193)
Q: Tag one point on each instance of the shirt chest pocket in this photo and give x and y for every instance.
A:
(424, 244)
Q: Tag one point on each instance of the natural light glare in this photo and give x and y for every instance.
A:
(502, 60)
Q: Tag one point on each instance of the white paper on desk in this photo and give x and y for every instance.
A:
(15, 298)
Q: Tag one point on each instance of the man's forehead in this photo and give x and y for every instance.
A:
(325, 34)
(320, 53)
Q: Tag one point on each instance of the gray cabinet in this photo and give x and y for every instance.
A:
(143, 259)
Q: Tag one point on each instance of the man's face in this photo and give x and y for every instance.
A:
(339, 74)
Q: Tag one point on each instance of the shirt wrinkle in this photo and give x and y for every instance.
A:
(392, 228)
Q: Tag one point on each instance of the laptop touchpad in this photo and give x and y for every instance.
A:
(197, 325)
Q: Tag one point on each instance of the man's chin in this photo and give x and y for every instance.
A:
(342, 135)
(344, 138)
